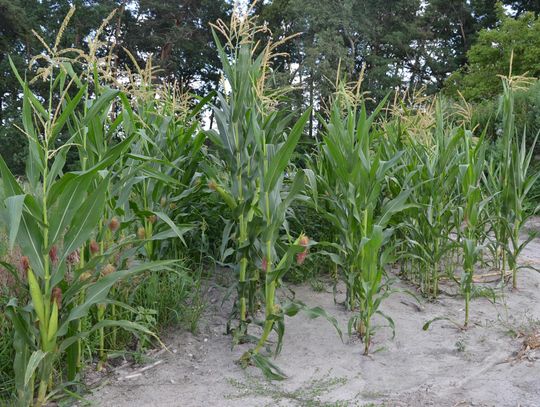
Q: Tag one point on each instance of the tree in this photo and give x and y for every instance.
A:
(339, 38)
(17, 19)
(515, 43)
(449, 28)
(178, 35)
(523, 6)
(14, 33)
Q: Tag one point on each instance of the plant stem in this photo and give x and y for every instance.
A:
(467, 299)
(367, 336)
(243, 268)
(270, 291)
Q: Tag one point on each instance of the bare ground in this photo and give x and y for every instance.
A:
(487, 365)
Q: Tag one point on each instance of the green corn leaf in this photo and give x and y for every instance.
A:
(113, 154)
(283, 156)
(22, 327)
(71, 72)
(295, 188)
(86, 219)
(97, 107)
(390, 322)
(98, 291)
(426, 326)
(69, 203)
(59, 161)
(35, 159)
(33, 363)
(203, 101)
(66, 113)
(169, 234)
(312, 184)
(150, 172)
(41, 110)
(127, 325)
(30, 239)
(269, 369)
(292, 308)
(9, 183)
(14, 206)
(165, 218)
(394, 206)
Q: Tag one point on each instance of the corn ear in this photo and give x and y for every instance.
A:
(53, 324)
(35, 294)
(227, 197)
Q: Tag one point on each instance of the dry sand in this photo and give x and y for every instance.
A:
(443, 366)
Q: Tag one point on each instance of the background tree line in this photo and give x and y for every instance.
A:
(403, 44)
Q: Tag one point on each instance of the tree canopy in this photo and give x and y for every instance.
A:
(401, 44)
(512, 46)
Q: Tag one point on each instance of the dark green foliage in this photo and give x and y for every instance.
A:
(6, 351)
(178, 34)
(312, 223)
(512, 47)
(522, 6)
(526, 109)
(401, 42)
(346, 34)
(143, 182)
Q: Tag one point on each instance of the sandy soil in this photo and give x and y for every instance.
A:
(486, 365)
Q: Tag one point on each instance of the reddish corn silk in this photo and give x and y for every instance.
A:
(304, 242)
(301, 257)
(53, 255)
(25, 263)
(56, 296)
(264, 264)
(74, 257)
(94, 247)
(114, 224)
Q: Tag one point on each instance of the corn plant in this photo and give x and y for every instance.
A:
(153, 181)
(94, 133)
(472, 213)
(51, 220)
(510, 182)
(159, 176)
(432, 169)
(255, 144)
(352, 181)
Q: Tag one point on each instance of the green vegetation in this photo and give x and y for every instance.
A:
(309, 394)
(88, 234)
(352, 181)
(514, 45)
(127, 202)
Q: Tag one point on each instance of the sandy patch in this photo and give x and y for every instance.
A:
(486, 365)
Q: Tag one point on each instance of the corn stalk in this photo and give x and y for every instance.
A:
(255, 143)
(352, 186)
(510, 181)
(51, 219)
